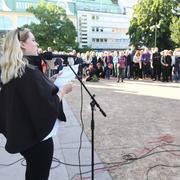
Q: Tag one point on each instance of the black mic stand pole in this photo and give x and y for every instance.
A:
(93, 104)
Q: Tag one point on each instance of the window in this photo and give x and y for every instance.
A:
(97, 29)
(6, 23)
(121, 30)
(83, 23)
(95, 17)
(26, 20)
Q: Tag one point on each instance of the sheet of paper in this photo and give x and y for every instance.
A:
(66, 75)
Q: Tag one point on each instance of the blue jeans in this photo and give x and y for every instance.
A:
(107, 73)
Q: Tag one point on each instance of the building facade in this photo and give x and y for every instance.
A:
(100, 24)
(102, 30)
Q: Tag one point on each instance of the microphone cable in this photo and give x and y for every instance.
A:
(24, 164)
(82, 130)
(10, 164)
(127, 159)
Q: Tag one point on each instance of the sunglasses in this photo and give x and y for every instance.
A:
(18, 30)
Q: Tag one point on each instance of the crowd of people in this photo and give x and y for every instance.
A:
(131, 64)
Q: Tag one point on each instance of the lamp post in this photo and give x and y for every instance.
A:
(154, 28)
(155, 37)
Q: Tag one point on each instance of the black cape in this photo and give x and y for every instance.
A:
(29, 107)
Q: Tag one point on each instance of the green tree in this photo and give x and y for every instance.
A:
(150, 23)
(175, 27)
(54, 28)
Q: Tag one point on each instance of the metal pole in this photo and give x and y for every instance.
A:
(155, 36)
(92, 140)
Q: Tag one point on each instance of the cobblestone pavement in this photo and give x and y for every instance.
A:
(141, 115)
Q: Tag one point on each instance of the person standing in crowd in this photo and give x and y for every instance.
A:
(94, 60)
(172, 54)
(177, 66)
(128, 64)
(145, 61)
(0, 69)
(30, 104)
(50, 71)
(166, 65)
(108, 59)
(58, 64)
(100, 59)
(87, 59)
(136, 64)
(71, 58)
(121, 66)
(79, 60)
(115, 62)
(156, 64)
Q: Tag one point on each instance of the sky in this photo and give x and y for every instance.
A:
(128, 3)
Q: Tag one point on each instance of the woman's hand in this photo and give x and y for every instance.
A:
(55, 76)
(65, 90)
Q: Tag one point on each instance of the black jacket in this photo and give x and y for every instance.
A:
(156, 59)
(29, 107)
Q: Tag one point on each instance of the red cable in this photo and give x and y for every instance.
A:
(164, 139)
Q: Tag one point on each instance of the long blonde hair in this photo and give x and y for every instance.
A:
(12, 62)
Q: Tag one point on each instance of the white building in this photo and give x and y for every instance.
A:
(102, 24)
(99, 30)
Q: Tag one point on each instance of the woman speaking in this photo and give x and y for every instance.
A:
(30, 104)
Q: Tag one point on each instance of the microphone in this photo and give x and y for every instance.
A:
(49, 56)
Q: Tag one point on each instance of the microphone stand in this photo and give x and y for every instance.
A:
(93, 103)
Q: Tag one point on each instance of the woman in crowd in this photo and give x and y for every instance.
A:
(166, 66)
(108, 59)
(136, 64)
(30, 104)
(121, 66)
(177, 66)
(145, 63)
(156, 64)
(115, 62)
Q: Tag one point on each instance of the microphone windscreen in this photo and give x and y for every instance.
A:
(47, 55)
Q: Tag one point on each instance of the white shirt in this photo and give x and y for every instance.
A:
(54, 130)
